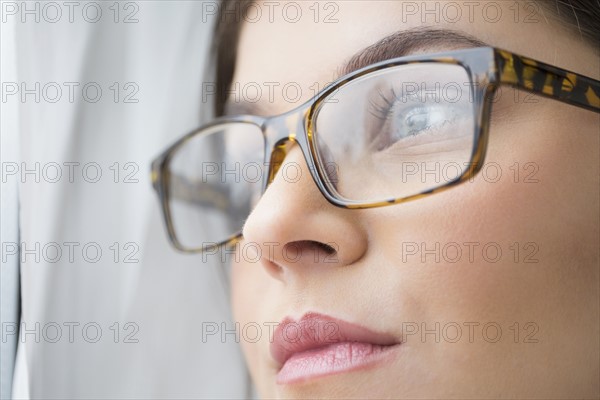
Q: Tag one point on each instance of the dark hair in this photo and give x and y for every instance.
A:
(582, 17)
(225, 44)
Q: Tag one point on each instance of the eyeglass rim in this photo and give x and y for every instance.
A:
(489, 65)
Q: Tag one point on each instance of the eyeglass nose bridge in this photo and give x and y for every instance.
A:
(282, 132)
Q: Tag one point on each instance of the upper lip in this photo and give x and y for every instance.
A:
(315, 330)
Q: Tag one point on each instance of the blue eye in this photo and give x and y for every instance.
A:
(405, 118)
(413, 124)
(419, 119)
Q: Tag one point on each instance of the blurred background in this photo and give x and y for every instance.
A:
(91, 92)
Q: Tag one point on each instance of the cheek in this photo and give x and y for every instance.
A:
(550, 155)
(543, 219)
(536, 201)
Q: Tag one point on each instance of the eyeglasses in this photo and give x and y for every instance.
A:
(362, 138)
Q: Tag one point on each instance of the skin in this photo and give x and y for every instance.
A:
(370, 284)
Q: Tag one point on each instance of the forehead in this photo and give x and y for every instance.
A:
(292, 49)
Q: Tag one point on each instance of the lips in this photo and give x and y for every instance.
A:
(318, 345)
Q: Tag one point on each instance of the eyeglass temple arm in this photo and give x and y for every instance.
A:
(548, 81)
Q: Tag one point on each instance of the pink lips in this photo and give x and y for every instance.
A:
(319, 345)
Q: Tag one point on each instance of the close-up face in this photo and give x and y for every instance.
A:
(486, 290)
(309, 199)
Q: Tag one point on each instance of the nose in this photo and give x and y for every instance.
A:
(297, 230)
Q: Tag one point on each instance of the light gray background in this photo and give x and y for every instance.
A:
(167, 295)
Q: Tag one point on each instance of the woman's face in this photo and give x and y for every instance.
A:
(487, 290)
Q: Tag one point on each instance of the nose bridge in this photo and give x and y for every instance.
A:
(282, 132)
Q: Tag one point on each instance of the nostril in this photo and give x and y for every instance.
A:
(300, 248)
(326, 248)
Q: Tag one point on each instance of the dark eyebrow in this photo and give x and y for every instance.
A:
(399, 44)
(409, 42)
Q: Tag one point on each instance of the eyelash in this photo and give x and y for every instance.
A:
(385, 107)
(383, 112)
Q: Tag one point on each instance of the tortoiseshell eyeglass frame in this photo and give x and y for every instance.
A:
(487, 68)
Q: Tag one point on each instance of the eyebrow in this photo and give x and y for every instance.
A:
(398, 44)
(409, 42)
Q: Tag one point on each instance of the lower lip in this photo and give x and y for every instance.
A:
(332, 359)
